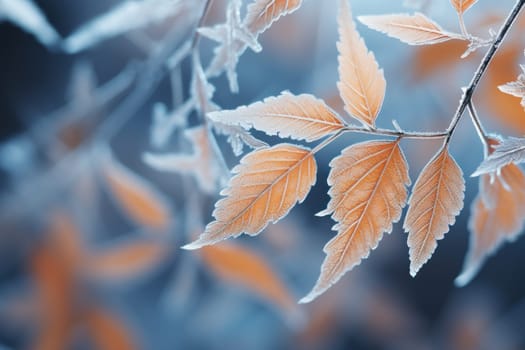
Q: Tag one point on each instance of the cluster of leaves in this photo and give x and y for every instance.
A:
(368, 181)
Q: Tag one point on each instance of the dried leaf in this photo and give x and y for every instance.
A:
(361, 83)
(511, 150)
(301, 117)
(262, 13)
(462, 6)
(125, 260)
(108, 332)
(201, 164)
(368, 192)
(415, 29)
(437, 197)
(238, 265)
(498, 215)
(267, 184)
(136, 197)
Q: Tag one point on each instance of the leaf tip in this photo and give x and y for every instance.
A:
(323, 212)
(194, 245)
(308, 298)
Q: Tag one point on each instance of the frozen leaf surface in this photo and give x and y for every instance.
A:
(267, 184)
(436, 200)
(300, 117)
(415, 29)
(361, 83)
(368, 192)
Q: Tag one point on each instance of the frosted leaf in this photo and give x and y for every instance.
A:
(367, 194)
(261, 14)
(497, 216)
(436, 200)
(266, 185)
(300, 117)
(27, 15)
(127, 16)
(232, 29)
(238, 137)
(165, 123)
(511, 150)
(516, 88)
(415, 29)
(361, 83)
(201, 163)
(201, 90)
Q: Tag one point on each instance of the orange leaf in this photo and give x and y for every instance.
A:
(125, 260)
(240, 266)
(267, 184)
(361, 82)
(108, 332)
(498, 215)
(415, 29)
(368, 192)
(436, 199)
(262, 13)
(54, 285)
(138, 198)
(301, 117)
(462, 5)
(66, 239)
(503, 107)
(442, 58)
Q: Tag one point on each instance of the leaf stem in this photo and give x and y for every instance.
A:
(396, 133)
(480, 71)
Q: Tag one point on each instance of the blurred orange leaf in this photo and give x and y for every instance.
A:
(125, 260)
(108, 332)
(498, 215)
(238, 265)
(54, 287)
(138, 198)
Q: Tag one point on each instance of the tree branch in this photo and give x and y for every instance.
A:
(469, 91)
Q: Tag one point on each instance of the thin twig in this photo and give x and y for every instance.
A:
(196, 35)
(479, 127)
(396, 133)
(469, 91)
